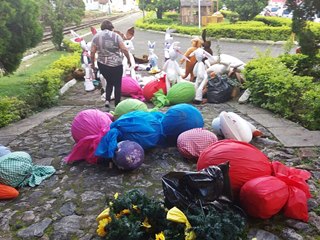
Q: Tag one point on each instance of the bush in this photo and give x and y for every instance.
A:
(303, 65)
(311, 105)
(274, 21)
(68, 64)
(71, 46)
(172, 15)
(11, 110)
(274, 87)
(44, 88)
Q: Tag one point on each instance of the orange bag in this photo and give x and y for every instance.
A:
(246, 161)
(263, 197)
(7, 192)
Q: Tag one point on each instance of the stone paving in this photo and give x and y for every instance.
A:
(65, 206)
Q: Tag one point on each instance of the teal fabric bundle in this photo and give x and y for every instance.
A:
(17, 170)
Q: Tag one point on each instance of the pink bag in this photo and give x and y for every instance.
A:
(131, 88)
(87, 129)
(192, 142)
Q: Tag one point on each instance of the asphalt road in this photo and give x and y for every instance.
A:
(245, 51)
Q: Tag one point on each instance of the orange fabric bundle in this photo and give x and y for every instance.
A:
(7, 192)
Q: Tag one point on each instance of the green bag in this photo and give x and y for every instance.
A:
(129, 105)
(17, 170)
(182, 92)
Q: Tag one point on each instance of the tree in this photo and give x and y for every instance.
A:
(20, 29)
(302, 12)
(247, 9)
(57, 14)
(160, 6)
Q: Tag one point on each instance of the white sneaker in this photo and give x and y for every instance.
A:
(245, 96)
(88, 86)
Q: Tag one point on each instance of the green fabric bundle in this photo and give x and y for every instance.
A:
(182, 92)
(129, 105)
(17, 170)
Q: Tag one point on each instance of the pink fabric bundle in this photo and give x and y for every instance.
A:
(192, 142)
(131, 88)
(87, 129)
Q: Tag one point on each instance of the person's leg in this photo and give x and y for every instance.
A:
(107, 74)
(117, 76)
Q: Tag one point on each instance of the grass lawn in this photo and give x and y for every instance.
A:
(13, 85)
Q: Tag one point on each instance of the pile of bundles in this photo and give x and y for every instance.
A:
(155, 90)
(264, 188)
(261, 187)
(17, 170)
(196, 206)
(97, 136)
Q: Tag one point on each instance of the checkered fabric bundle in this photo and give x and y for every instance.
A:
(17, 170)
(192, 142)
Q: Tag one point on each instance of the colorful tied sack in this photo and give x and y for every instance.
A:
(143, 128)
(192, 142)
(129, 105)
(17, 170)
(131, 88)
(182, 92)
(178, 119)
(154, 86)
(246, 161)
(87, 129)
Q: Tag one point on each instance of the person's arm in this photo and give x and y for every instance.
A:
(93, 55)
(125, 51)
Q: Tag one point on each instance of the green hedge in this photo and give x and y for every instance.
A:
(274, 87)
(43, 89)
(253, 30)
(11, 109)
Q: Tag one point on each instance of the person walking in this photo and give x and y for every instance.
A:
(110, 48)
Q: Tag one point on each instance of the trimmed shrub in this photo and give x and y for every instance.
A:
(44, 88)
(274, 87)
(11, 110)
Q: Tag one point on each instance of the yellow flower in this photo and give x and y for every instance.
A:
(123, 212)
(116, 195)
(102, 223)
(105, 213)
(135, 207)
(146, 224)
(160, 236)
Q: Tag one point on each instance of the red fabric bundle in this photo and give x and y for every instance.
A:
(192, 142)
(299, 192)
(246, 161)
(131, 88)
(154, 86)
(263, 197)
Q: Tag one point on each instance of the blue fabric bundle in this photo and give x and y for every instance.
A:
(178, 119)
(141, 127)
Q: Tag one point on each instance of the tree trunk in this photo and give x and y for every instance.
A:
(159, 13)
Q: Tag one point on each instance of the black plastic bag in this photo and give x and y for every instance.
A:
(219, 90)
(187, 189)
